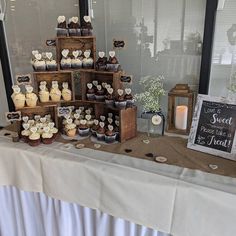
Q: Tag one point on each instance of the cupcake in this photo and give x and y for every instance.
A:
(117, 129)
(109, 98)
(51, 65)
(74, 27)
(55, 92)
(110, 135)
(100, 93)
(25, 133)
(129, 98)
(53, 129)
(101, 63)
(120, 99)
(89, 120)
(43, 93)
(65, 61)
(34, 137)
(66, 93)
(88, 60)
(113, 64)
(101, 131)
(83, 128)
(70, 128)
(77, 61)
(31, 98)
(61, 26)
(87, 29)
(39, 64)
(90, 92)
(18, 98)
(95, 127)
(47, 136)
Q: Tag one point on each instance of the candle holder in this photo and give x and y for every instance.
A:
(179, 113)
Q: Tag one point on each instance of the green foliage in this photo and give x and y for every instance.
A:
(153, 90)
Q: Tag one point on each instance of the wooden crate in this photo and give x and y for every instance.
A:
(75, 43)
(42, 111)
(60, 76)
(87, 76)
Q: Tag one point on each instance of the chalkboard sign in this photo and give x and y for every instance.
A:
(64, 111)
(118, 44)
(51, 42)
(213, 127)
(23, 79)
(126, 78)
(13, 116)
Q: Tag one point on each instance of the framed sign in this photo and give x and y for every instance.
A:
(118, 44)
(23, 79)
(13, 116)
(64, 111)
(213, 127)
(126, 78)
(51, 42)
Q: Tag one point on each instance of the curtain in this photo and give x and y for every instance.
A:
(35, 214)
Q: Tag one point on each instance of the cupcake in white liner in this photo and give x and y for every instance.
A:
(109, 97)
(83, 128)
(110, 135)
(31, 98)
(66, 92)
(51, 64)
(39, 64)
(77, 61)
(55, 92)
(34, 52)
(61, 26)
(74, 27)
(87, 61)
(70, 128)
(65, 61)
(43, 93)
(18, 98)
(25, 133)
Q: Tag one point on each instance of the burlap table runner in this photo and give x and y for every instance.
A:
(173, 148)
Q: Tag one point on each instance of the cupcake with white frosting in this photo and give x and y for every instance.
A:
(55, 92)
(18, 98)
(31, 98)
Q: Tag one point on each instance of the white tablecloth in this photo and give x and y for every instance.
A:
(171, 199)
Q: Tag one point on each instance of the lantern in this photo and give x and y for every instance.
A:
(180, 109)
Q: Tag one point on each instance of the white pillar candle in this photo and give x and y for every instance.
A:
(181, 117)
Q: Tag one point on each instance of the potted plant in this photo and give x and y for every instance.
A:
(150, 100)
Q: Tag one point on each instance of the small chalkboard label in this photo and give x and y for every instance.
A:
(64, 111)
(213, 127)
(23, 79)
(126, 78)
(51, 42)
(118, 44)
(13, 116)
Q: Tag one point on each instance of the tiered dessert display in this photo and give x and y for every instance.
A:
(103, 107)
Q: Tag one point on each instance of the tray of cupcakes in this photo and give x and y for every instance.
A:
(38, 129)
(43, 61)
(73, 27)
(78, 59)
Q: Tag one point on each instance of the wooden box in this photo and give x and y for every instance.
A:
(60, 76)
(76, 43)
(87, 76)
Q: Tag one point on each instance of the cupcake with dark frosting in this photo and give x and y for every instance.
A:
(109, 97)
(74, 27)
(101, 131)
(95, 127)
(101, 62)
(113, 64)
(120, 101)
(90, 92)
(100, 93)
(61, 26)
(129, 97)
(110, 135)
(83, 128)
(87, 28)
